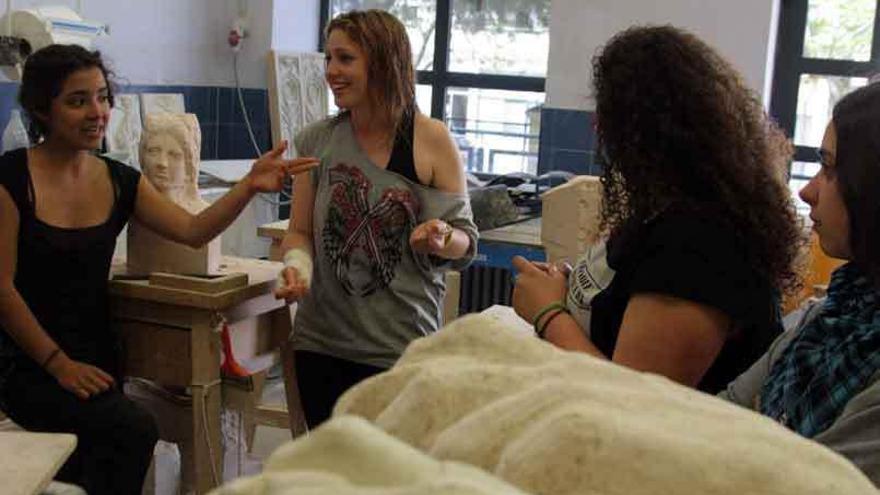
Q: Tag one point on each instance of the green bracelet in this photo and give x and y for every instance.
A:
(543, 328)
(546, 309)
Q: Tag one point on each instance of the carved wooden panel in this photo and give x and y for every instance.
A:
(297, 93)
(162, 103)
(124, 129)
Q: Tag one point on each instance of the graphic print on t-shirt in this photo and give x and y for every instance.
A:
(365, 242)
(590, 276)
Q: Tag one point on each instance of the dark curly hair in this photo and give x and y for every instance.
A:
(45, 72)
(678, 127)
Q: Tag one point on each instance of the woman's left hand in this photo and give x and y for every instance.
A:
(268, 172)
(430, 237)
(536, 287)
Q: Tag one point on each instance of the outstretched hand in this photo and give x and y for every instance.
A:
(268, 172)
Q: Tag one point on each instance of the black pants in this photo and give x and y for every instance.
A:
(115, 437)
(322, 379)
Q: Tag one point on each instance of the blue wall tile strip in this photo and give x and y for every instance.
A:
(500, 254)
(567, 140)
(224, 134)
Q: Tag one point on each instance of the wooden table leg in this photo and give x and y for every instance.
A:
(291, 390)
(282, 328)
(206, 393)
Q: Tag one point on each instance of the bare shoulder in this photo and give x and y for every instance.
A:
(436, 151)
(432, 131)
(9, 223)
(7, 205)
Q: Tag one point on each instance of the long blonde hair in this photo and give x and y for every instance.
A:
(390, 74)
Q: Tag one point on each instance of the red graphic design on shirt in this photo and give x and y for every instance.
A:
(365, 242)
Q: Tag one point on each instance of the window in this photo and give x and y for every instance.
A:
(826, 49)
(481, 67)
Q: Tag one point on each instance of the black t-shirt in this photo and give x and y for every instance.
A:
(691, 256)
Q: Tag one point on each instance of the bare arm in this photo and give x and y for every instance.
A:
(170, 220)
(298, 236)
(537, 286)
(299, 229)
(173, 222)
(674, 337)
(15, 316)
(434, 145)
(20, 323)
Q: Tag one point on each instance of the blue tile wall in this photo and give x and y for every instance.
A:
(224, 133)
(567, 142)
(8, 101)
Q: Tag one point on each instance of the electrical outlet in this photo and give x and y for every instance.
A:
(237, 34)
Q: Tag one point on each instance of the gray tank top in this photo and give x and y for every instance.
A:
(371, 294)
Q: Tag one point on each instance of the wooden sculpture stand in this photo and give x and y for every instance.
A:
(170, 329)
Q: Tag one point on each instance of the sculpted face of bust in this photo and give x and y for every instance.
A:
(164, 162)
(169, 155)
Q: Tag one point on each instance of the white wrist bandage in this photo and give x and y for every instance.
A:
(302, 261)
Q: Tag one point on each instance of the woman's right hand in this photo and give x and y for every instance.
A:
(291, 286)
(81, 379)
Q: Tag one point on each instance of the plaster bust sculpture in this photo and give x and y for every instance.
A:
(169, 152)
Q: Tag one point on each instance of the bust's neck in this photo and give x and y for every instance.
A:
(176, 193)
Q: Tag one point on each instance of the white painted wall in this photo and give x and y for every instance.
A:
(743, 31)
(295, 25)
(179, 42)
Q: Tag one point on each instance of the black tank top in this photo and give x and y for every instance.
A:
(62, 273)
(402, 161)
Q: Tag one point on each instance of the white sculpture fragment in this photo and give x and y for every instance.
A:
(550, 421)
(349, 456)
(169, 152)
(124, 130)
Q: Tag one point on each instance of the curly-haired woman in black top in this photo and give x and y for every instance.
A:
(701, 231)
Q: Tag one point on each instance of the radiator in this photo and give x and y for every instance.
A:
(484, 286)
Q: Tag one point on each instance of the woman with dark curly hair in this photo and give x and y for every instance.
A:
(701, 231)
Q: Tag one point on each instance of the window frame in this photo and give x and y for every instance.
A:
(440, 78)
(790, 64)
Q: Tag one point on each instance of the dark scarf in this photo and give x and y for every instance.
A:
(830, 361)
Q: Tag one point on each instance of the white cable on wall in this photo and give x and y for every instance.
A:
(203, 391)
(247, 121)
